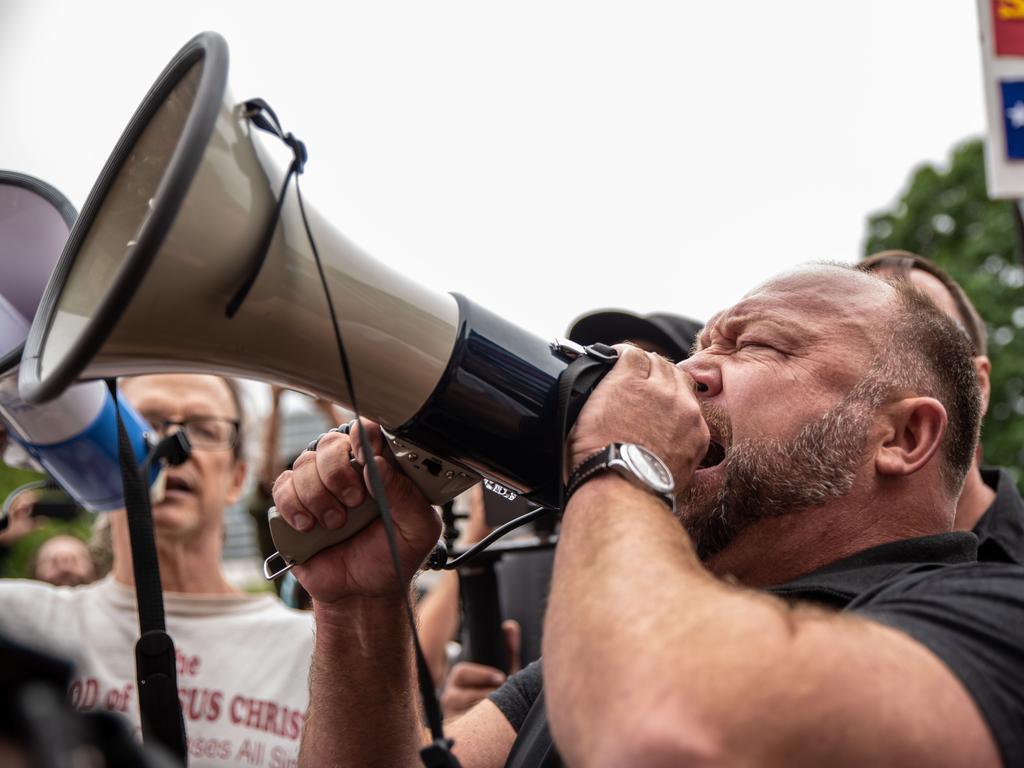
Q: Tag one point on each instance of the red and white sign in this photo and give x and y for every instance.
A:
(1001, 23)
(1008, 27)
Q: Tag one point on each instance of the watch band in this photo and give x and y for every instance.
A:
(592, 465)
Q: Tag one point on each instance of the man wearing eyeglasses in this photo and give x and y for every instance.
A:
(243, 660)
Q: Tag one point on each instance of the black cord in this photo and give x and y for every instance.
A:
(470, 554)
(264, 118)
(438, 753)
(427, 692)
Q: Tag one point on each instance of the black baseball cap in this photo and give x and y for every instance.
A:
(672, 334)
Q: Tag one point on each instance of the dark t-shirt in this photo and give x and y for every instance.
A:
(1000, 530)
(969, 614)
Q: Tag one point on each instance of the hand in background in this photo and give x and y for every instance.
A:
(470, 683)
(21, 522)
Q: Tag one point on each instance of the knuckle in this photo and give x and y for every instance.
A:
(315, 498)
(303, 459)
(286, 504)
(281, 484)
(333, 442)
(337, 476)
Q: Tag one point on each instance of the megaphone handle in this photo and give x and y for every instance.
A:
(440, 480)
(295, 547)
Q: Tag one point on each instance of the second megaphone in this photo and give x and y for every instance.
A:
(73, 438)
(173, 228)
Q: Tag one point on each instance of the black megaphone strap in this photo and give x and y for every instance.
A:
(155, 672)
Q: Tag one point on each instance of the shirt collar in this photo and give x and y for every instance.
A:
(838, 583)
(1001, 529)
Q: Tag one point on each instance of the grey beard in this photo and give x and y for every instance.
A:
(770, 477)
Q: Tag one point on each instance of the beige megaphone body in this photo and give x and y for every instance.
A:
(171, 231)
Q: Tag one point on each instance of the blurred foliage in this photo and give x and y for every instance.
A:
(945, 215)
(11, 478)
(15, 562)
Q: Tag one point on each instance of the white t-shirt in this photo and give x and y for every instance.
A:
(243, 662)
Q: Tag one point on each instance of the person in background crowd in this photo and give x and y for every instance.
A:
(990, 504)
(242, 660)
(20, 520)
(798, 597)
(666, 334)
(439, 620)
(63, 561)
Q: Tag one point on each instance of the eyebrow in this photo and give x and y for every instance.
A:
(736, 325)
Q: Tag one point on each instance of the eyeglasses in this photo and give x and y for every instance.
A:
(214, 433)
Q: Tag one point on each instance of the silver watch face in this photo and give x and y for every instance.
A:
(652, 469)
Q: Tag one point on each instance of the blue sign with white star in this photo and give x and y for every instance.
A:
(1013, 118)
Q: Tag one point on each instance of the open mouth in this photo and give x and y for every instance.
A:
(714, 456)
(178, 483)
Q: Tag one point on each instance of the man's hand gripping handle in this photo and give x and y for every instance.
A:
(438, 479)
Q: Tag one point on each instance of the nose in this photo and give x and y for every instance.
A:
(164, 427)
(65, 560)
(704, 372)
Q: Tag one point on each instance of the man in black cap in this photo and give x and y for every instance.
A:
(666, 334)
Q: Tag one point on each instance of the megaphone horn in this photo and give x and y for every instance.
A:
(169, 234)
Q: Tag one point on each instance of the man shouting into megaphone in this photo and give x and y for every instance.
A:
(756, 565)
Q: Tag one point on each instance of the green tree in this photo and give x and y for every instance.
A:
(15, 562)
(945, 215)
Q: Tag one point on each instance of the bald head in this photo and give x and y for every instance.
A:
(851, 300)
(898, 340)
(909, 345)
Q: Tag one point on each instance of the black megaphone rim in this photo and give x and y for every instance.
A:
(170, 193)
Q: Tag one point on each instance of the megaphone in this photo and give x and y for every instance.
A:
(73, 438)
(171, 231)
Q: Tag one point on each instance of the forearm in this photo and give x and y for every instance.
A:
(363, 709)
(650, 659)
(438, 620)
(637, 629)
(269, 467)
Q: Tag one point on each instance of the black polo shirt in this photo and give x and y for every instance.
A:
(1000, 530)
(969, 614)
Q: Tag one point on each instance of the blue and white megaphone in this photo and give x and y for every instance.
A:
(74, 437)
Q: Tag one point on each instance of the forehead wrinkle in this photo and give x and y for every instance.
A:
(816, 311)
(854, 307)
(755, 315)
(186, 396)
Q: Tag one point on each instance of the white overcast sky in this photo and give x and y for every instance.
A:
(542, 157)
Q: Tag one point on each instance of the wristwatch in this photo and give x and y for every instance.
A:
(633, 462)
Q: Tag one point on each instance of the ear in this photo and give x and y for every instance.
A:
(983, 368)
(238, 475)
(914, 428)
